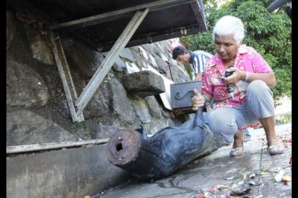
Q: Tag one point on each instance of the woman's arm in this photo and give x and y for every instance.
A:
(268, 78)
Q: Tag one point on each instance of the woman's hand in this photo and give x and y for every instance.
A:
(235, 77)
(268, 78)
(197, 101)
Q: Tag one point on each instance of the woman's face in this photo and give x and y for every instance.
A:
(225, 46)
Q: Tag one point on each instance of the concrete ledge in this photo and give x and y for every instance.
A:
(68, 173)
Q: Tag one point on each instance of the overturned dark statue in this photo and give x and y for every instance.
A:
(166, 151)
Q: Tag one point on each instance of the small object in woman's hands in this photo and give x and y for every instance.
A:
(220, 79)
(229, 87)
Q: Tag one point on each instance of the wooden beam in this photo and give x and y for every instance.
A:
(69, 88)
(157, 36)
(199, 14)
(114, 15)
(107, 63)
(29, 148)
(51, 146)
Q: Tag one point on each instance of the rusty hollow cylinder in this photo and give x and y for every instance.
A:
(166, 151)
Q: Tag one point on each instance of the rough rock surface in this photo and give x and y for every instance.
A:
(26, 127)
(37, 104)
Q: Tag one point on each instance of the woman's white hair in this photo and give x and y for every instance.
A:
(229, 25)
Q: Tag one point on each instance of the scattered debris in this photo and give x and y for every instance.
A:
(274, 170)
(286, 179)
(231, 178)
(259, 196)
(245, 186)
(244, 176)
(220, 187)
(212, 188)
(251, 183)
(240, 190)
(278, 177)
(252, 176)
(216, 191)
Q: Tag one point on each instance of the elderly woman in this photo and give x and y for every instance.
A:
(251, 100)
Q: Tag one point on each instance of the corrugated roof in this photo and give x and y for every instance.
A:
(100, 23)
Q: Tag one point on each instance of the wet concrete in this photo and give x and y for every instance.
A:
(217, 169)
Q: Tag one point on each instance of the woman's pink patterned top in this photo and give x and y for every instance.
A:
(247, 59)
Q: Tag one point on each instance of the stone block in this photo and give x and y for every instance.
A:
(144, 83)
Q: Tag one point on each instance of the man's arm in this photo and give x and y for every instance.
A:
(198, 77)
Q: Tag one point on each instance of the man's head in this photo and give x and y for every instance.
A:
(181, 54)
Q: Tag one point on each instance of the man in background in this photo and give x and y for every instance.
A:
(196, 59)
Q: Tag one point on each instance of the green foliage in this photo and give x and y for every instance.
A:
(268, 33)
(283, 119)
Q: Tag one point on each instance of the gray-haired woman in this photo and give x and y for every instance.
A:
(249, 99)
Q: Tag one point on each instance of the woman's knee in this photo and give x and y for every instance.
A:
(257, 85)
(257, 88)
(219, 122)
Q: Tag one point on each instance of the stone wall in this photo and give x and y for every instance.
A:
(37, 109)
(38, 112)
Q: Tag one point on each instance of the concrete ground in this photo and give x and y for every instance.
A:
(219, 175)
